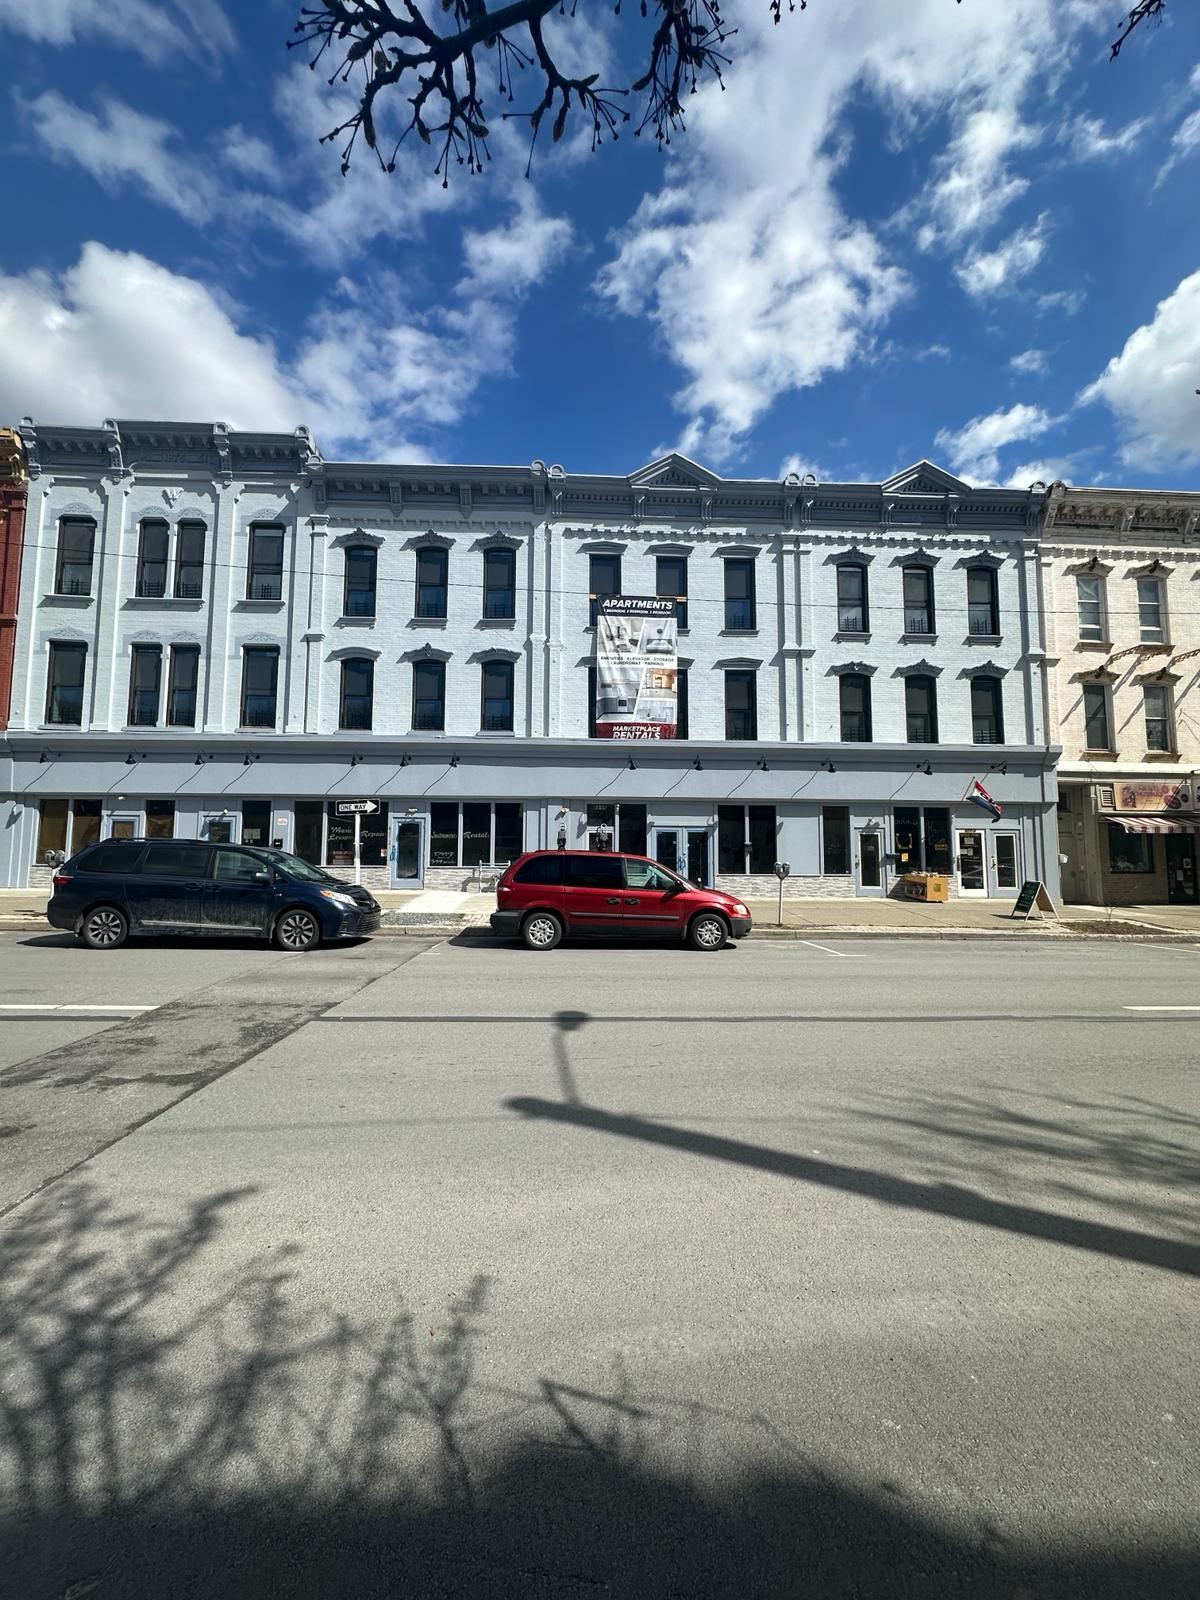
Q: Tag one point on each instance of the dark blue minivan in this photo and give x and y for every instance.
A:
(121, 887)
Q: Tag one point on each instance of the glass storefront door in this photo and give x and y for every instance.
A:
(408, 858)
(1182, 887)
(1006, 859)
(666, 848)
(697, 858)
(868, 862)
(971, 865)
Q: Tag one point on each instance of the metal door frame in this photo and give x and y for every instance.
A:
(421, 824)
(994, 884)
(971, 894)
(869, 891)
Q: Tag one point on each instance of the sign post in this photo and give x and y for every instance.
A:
(783, 871)
(358, 809)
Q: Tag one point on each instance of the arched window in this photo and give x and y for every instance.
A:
(358, 692)
(855, 695)
(496, 714)
(853, 616)
(987, 711)
(983, 612)
(358, 599)
(433, 576)
(920, 709)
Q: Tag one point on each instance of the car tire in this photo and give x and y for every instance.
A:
(104, 928)
(708, 931)
(541, 930)
(296, 930)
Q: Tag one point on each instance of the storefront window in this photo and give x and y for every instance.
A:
(52, 827)
(490, 834)
(762, 838)
(835, 840)
(339, 839)
(631, 829)
(372, 838)
(508, 842)
(1129, 852)
(85, 829)
(256, 822)
(937, 840)
(908, 836)
(602, 827)
(309, 816)
(160, 819)
(476, 833)
(443, 834)
(745, 838)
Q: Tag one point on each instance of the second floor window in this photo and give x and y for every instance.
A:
(358, 684)
(145, 683)
(358, 597)
(496, 714)
(433, 575)
(1089, 603)
(852, 598)
(264, 578)
(983, 614)
(918, 600)
(64, 684)
(1156, 703)
(76, 546)
(987, 713)
(1150, 611)
(500, 584)
(604, 579)
(741, 705)
(671, 583)
(260, 684)
(739, 596)
(854, 697)
(152, 559)
(429, 696)
(189, 561)
(1097, 734)
(920, 710)
(181, 686)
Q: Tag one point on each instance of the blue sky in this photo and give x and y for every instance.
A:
(930, 229)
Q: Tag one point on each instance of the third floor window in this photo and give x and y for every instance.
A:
(1089, 603)
(918, 600)
(604, 579)
(854, 704)
(145, 684)
(358, 597)
(153, 543)
(1150, 611)
(671, 583)
(920, 710)
(189, 561)
(433, 577)
(76, 545)
(741, 705)
(496, 712)
(429, 696)
(500, 584)
(739, 596)
(852, 598)
(983, 613)
(260, 683)
(264, 575)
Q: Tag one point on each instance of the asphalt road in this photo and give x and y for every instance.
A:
(857, 1269)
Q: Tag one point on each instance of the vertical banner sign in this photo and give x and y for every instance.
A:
(637, 671)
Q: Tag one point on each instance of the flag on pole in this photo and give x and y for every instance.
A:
(978, 796)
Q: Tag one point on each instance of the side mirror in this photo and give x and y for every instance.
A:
(263, 877)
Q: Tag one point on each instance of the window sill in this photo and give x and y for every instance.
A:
(427, 622)
(1093, 644)
(59, 727)
(259, 605)
(170, 602)
(738, 633)
(852, 635)
(984, 638)
(354, 622)
(496, 622)
(918, 638)
(1161, 755)
(1099, 755)
(69, 600)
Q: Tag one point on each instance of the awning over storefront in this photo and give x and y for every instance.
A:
(1182, 822)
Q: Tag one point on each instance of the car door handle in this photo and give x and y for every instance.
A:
(633, 902)
(613, 900)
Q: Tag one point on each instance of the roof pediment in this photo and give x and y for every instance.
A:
(673, 472)
(925, 478)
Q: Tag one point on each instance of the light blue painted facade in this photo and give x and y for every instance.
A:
(796, 533)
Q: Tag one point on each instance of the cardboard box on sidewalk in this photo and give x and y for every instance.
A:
(927, 886)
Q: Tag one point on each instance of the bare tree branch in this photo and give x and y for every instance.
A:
(1140, 13)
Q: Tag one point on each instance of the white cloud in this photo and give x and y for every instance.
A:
(1184, 140)
(801, 466)
(123, 145)
(251, 156)
(1089, 141)
(1066, 301)
(155, 29)
(745, 261)
(986, 272)
(1029, 362)
(974, 451)
(1052, 469)
(1151, 385)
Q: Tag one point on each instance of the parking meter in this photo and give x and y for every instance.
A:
(783, 870)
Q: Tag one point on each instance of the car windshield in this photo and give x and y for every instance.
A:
(295, 866)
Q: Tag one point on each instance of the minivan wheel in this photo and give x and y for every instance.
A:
(297, 929)
(104, 928)
(541, 930)
(708, 932)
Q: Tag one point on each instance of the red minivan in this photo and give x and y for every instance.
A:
(551, 893)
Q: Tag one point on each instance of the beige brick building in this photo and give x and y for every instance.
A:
(1121, 596)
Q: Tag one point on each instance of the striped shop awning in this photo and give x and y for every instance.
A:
(1181, 822)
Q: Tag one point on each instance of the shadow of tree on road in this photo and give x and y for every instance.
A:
(162, 1437)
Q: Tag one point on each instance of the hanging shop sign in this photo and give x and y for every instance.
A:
(637, 668)
(1152, 794)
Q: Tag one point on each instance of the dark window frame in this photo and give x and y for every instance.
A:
(994, 715)
(140, 657)
(924, 575)
(65, 561)
(424, 673)
(857, 570)
(264, 578)
(148, 587)
(1140, 845)
(598, 591)
(432, 596)
(682, 704)
(666, 589)
(1094, 690)
(187, 559)
(353, 584)
(351, 718)
(500, 598)
(255, 656)
(741, 678)
(1164, 721)
(59, 652)
(928, 683)
(179, 654)
(745, 567)
(839, 815)
(988, 609)
(861, 681)
(507, 670)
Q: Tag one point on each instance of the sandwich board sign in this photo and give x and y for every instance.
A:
(1033, 897)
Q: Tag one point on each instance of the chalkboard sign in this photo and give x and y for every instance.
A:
(1033, 895)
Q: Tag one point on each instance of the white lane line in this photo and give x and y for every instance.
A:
(32, 1007)
(1160, 1008)
(813, 945)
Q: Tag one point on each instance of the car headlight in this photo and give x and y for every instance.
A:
(739, 910)
(339, 899)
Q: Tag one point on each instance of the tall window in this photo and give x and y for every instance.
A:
(604, 579)
(145, 682)
(152, 558)
(475, 833)
(835, 840)
(987, 714)
(1156, 702)
(260, 683)
(681, 704)
(1097, 733)
(264, 578)
(181, 686)
(64, 684)
(1129, 852)
(741, 705)
(854, 694)
(591, 702)
(745, 839)
(496, 714)
(429, 696)
(76, 545)
(358, 597)
(739, 596)
(918, 600)
(852, 598)
(920, 710)
(189, 561)
(500, 584)
(433, 577)
(1089, 603)
(358, 687)
(983, 612)
(1150, 617)
(671, 583)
